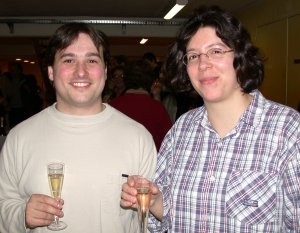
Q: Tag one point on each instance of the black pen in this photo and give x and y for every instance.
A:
(125, 175)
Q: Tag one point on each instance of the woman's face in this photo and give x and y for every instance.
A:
(213, 77)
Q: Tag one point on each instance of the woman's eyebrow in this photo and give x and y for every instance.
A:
(207, 47)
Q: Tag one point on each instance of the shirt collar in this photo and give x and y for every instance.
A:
(253, 113)
(251, 116)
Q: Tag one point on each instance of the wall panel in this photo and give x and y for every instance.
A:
(271, 39)
(293, 65)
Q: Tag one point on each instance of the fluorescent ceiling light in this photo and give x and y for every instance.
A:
(178, 6)
(143, 41)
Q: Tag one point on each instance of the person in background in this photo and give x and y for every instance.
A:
(150, 59)
(11, 88)
(138, 104)
(3, 113)
(114, 61)
(31, 96)
(96, 143)
(115, 85)
(3, 125)
(161, 91)
(233, 164)
(176, 103)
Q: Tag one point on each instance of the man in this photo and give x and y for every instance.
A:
(150, 59)
(232, 165)
(96, 143)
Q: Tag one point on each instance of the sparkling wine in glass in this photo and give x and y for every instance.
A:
(143, 186)
(56, 178)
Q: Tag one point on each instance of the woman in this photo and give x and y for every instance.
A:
(231, 165)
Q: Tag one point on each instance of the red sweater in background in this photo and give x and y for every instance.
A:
(147, 111)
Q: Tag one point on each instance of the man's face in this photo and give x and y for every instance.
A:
(79, 75)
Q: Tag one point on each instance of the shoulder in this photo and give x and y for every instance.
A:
(32, 123)
(272, 113)
(189, 121)
(276, 120)
(131, 131)
(123, 121)
(281, 114)
(192, 115)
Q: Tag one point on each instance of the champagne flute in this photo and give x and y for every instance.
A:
(56, 178)
(143, 186)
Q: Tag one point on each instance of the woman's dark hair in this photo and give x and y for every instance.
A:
(67, 33)
(247, 63)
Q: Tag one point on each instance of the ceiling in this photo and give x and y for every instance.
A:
(21, 22)
(108, 8)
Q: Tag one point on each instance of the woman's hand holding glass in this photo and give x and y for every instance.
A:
(129, 197)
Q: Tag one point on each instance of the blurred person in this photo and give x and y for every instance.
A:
(3, 124)
(30, 94)
(11, 88)
(3, 113)
(96, 143)
(115, 85)
(115, 61)
(150, 59)
(162, 92)
(233, 164)
(138, 104)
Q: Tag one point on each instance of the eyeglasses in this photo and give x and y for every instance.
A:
(212, 54)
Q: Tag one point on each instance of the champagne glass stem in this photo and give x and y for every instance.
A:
(144, 222)
(56, 220)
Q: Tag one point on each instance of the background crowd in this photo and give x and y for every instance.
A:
(21, 96)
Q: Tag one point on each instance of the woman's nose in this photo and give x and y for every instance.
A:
(204, 62)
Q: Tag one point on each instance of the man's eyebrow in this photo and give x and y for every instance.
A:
(91, 54)
(62, 55)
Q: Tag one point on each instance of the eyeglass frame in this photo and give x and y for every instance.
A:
(205, 54)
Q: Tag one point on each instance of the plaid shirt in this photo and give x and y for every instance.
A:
(246, 182)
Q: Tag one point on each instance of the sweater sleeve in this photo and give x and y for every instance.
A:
(12, 204)
(148, 156)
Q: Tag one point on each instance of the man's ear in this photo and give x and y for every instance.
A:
(50, 73)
